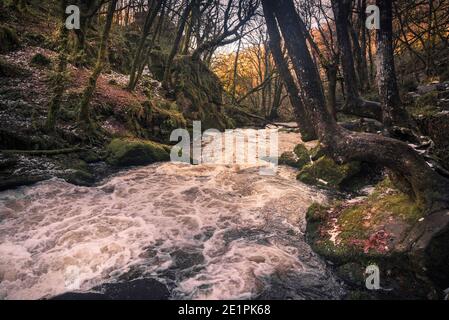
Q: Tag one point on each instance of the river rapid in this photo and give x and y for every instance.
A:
(205, 232)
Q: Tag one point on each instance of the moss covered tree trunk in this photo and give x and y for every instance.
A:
(430, 189)
(177, 42)
(84, 110)
(303, 120)
(59, 82)
(137, 61)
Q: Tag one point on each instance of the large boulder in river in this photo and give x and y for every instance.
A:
(134, 152)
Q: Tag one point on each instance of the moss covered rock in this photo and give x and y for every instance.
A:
(302, 154)
(325, 172)
(134, 152)
(288, 159)
(40, 60)
(296, 159)
(197, 90)
(316, 213)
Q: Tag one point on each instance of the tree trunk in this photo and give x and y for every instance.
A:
(151, 16)
(430, 189)
(235, 73)
(363, 39)
(361, 71)
(354, 104)
(193, 17)
(277, 99)
(59, 82)
(84, 117)
(303, 120)
(394, 113)
(177, 42)
(331, 74)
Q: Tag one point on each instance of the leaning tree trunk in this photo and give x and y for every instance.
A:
(394, 114)
(59, 82)
(149, 21)
(177, 42)
(303, 120)
(332, 78)
(84, 117)
(430, 189)
(354, 104)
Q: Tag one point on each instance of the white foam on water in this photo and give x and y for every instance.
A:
(246, 229)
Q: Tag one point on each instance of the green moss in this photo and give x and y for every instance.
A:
(288, 159)
(351, 223)
(383, 204)
(426, 105)
(316, 152)
(40, 60)
(198, 91)
(303, 155)
(316, 212)
(8, 39)
(296, 159)
(325, 172)
(307, 137)
(133, 152)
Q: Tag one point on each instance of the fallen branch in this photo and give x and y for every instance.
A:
(266, 121)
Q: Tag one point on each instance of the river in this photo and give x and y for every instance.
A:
(205, 232)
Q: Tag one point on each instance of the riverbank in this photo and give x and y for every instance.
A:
(367, 222)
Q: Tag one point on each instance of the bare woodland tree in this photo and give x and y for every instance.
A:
(59, 78)
(429, 188)
(84, 110)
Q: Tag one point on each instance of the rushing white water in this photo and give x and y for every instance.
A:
(208, 232)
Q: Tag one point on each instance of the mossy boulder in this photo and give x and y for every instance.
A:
(288, 159)
(166, 118)
(307, 136)
(316, 213)
(8, 39)
(40, 60)
(297, 159)
(135, 152)
(325, 172)
(197, 90)
(316, 152)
